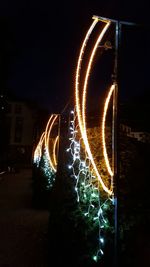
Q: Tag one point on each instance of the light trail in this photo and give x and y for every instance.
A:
(112, 88)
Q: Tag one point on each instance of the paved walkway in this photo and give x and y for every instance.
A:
(23, 230)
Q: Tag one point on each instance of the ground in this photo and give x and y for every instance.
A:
(23, 229)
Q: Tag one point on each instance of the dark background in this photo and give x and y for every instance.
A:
(39, 47)
(40, 42)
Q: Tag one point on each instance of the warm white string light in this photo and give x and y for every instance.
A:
(81, 115)
(38, 150)
(45, 153)
(48, 130)
(54, 150)
(103, 129)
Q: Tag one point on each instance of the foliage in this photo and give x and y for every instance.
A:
(43, 180)
(94, 208)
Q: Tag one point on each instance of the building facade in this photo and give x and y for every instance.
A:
(20, 132)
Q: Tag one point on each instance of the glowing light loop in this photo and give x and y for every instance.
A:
(81, 115)
(103, 129)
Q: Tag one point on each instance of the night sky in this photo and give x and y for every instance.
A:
(40, 42)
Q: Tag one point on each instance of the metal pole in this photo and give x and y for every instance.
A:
(59, 119)
(115, 135)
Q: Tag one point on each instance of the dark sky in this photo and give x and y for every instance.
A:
(40, 42)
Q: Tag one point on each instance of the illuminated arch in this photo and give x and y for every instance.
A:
(55, 150)
(38, 150)
(48, 130)
(78, 71)
(81, 113)
(106, 105)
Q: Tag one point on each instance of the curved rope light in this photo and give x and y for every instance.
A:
(81, 115)
(111, 90)
(54, 150)
(48, 130)
(38, 150)
(84, 105)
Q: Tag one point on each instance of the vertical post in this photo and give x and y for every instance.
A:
(115, 139)
(115, 178)
(59, 119)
